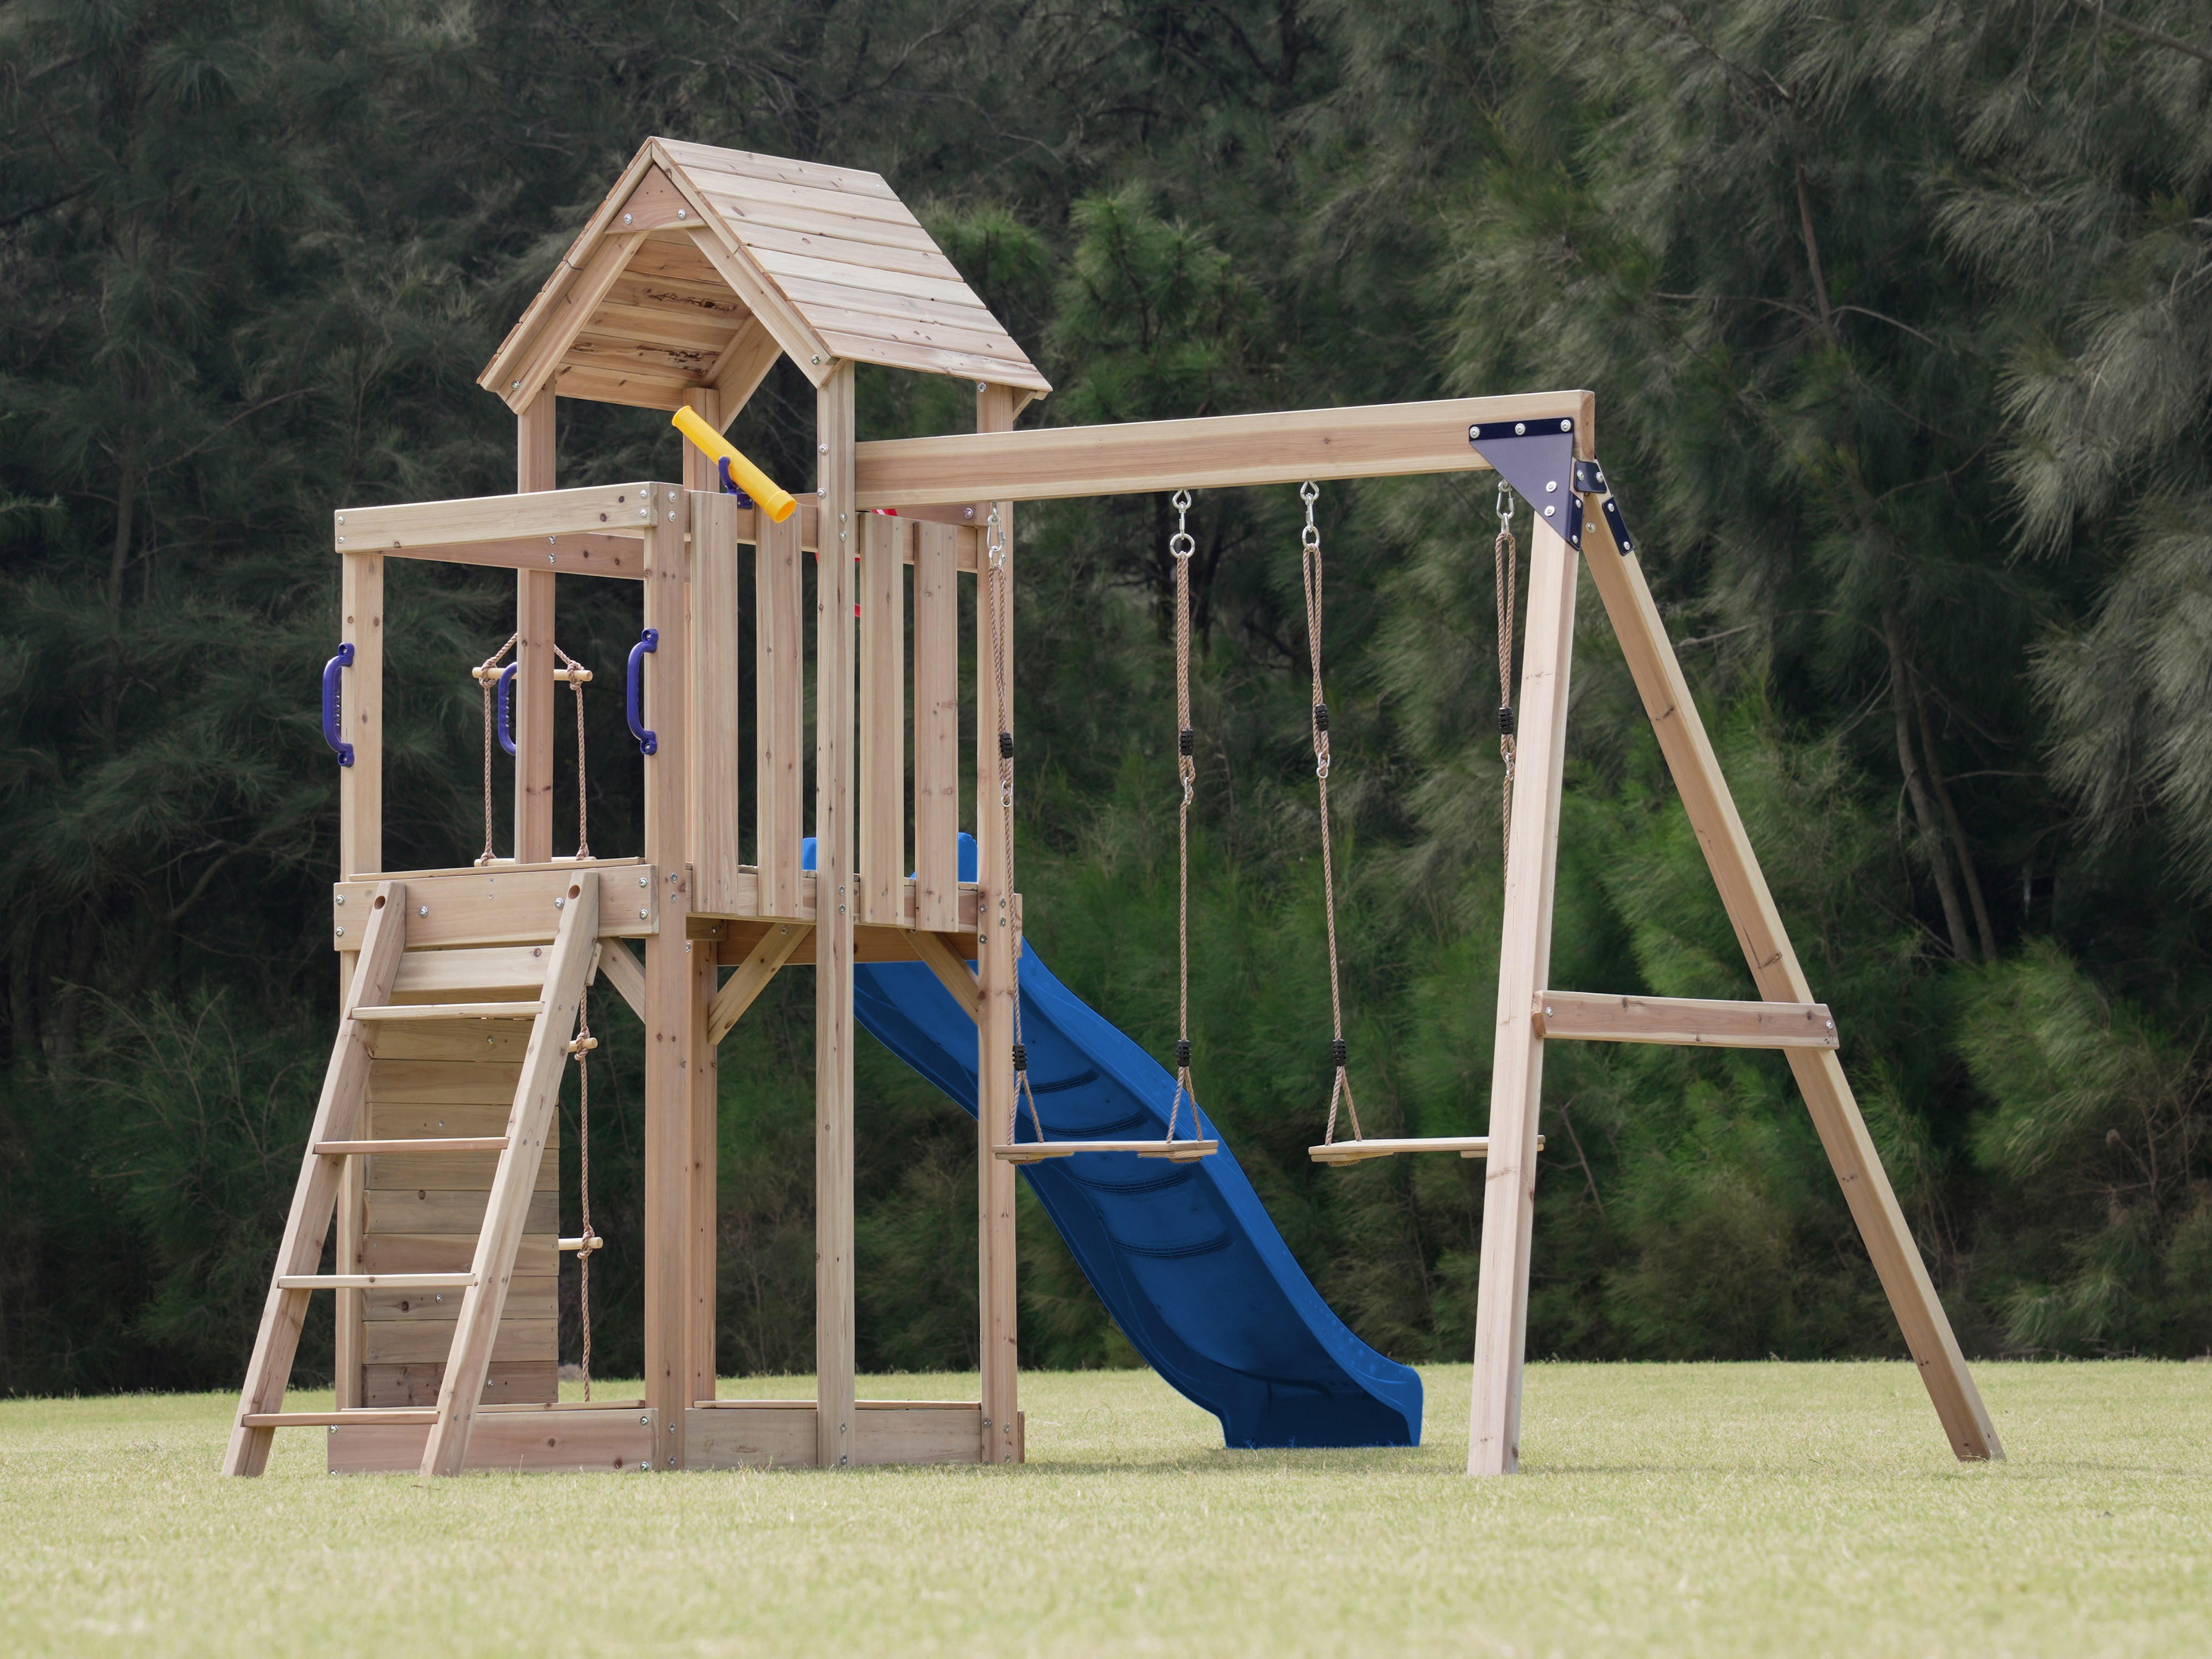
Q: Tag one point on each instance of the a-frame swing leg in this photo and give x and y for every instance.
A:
(1517, 1072)
(1774, 967)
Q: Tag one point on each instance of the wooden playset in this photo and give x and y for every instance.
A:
(461, 988)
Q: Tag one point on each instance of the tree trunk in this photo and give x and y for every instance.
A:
(1915, 785)
(1966, 871)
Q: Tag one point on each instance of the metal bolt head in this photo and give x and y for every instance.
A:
(340, 517)
(341, 933)
(560, 903)
(683, 213)
(817, 357)
(625, 218)
(641, 916)
(1567, 426)
(982, 385)
(1518, 428)
(1550, 485)
(423, 910)
(641, 881)
(340, 898)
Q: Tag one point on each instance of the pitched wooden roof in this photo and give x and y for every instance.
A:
(704, 265)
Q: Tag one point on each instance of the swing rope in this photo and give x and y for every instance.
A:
(1506, 556)
(1000, 594)
(1181, 546)
(1309, 569)
(579, 676)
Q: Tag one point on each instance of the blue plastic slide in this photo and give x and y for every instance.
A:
(1182, 1254)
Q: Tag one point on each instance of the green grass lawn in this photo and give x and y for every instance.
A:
(1663, 1509)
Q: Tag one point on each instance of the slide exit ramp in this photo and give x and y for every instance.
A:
(1183, 1255)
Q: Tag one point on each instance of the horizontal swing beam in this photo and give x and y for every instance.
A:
(1687, 1022)
(1381, 440)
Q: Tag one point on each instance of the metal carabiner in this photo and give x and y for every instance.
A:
(1505, 505)
(1181, 544)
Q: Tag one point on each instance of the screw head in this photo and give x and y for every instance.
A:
(817, 357)
(423, 910)
(641, 881)
(1567, 426)
(641, 916)
(625, 218)
(683, 213)
(982, 385)
(340, 898)
(560, 903)
(341, 933)
(1518, 428)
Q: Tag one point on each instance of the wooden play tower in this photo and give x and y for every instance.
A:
(460, 986)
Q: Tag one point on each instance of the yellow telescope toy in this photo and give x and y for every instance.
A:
(737, 472)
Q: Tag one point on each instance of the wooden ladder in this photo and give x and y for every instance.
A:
(467, 985)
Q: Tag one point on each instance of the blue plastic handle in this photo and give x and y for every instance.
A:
(331, 671)
(504, 725)
(649, 641)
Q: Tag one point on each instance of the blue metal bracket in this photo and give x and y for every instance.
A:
(1590, 480)
(1537, 457)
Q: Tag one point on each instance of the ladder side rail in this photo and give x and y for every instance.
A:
(314, 1198)
(460, 1391)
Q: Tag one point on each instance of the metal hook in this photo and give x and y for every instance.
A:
(1181, 544)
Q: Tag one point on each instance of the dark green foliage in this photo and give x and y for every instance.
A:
(1898, 317)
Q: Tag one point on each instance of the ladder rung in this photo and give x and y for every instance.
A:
(451, 1010)
(371, 1415)
(572, 1245)
(375, 1281)
(392, 1148)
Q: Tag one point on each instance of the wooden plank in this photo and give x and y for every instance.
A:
(532, 701)
(998, 1324)
(320, 1420)
(928, 359)
(459, 1281)
(440, 1144)
(920, 1434)
(936, 729)
(756, 1437)
(1359, 1151)
(744, 219)
(815, 280)
(653, 202)
(626, 354)
(680, 327)
(717, 657)
(883, 868)
(502, 905)
(758, 190)
(609, 555)
(766, 301)
(835, 791)
(415, 1011)
(407, 1342)
(494, 970)
(1589, 1016)
(597, 509)
(392, 1126)
(447, 1210)
(779, 715)
(396, 1253)
(1516, 1079)
(1376, 441)
(396, 1084)
(767, 242)
(1175, 1152)
(398, 1172)
(531, 1299)
(730, 1002)
(615, 1440)
(508, 1383)
(479, 1327)
(707, 303)
(635, 389)
(701, 160)
(701, 1215)
(568, 312)
(314, 1196)
(869, 944)
(1774, 967)
(361, 851)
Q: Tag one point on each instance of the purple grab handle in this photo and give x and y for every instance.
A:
(331, 671)
(504, 725)
(648, 742)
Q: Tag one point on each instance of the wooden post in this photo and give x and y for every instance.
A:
(1516, 1071)
(937, 727)
(718, 656)
(834, 902)
(674, 1015)
(699, 471)
(883, 720)
(360, 853)
(780, 714)
(1774, 967)
(994, 1025)
(533, 651)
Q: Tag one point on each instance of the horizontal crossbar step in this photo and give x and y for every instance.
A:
(451, 1010)
(375, 1281)
(394, 1148)
(1686, 1022)
(1179, 1152)
(370, 1416)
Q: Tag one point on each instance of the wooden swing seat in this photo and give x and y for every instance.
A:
(1177, 1151)
(1341, 1153)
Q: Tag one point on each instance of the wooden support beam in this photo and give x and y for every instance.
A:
(532, 696)
(1516, 1073)
(834, 875)
(624, 975)
(882, 867)
(1382, 440)
(503, 905)
(597, 509)
(936, 728)
(671, 1005)
(753, 976)
(1774, 969)
(950, 967)
(1587, 1017)
(994, 1025)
